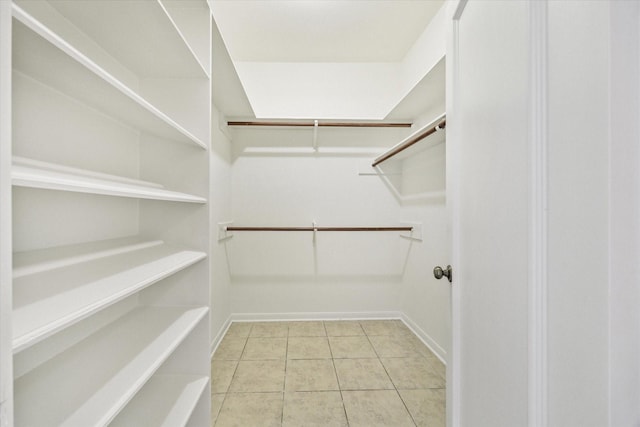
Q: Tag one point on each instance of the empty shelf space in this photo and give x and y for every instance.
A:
(37, 261)
(49, 300)
(91, 382)
(38, 51)
(36, 174)
(147, 41)
(166, 400)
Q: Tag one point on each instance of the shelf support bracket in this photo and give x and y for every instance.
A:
(315, 135)
(315, 231)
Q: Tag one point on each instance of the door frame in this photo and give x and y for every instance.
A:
(454, 12)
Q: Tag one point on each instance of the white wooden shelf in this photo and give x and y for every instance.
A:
(39, 50)
(49, 300)
(165, 401)
(91, 382)
(36, 174)
(160, 51)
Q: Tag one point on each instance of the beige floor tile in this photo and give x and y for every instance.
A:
(221, 375)
(314, 409)
(427, 407)
(310, 375)
(254, 385)
(413, 373)
(230, 348)
(375, 408)
(384, 327)
(351, 347)
(269, 329)
(361, 374)
(402, 328)
(265, 349)
(258, 376)
(251, 410)
(440, 367)
(394, 346)
(308, 348)
(421, 348)
(239, 329)
(343, 328)
(307, 329)
(216, 404)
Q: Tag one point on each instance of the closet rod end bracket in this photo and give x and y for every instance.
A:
(416, 231)
(223, 231)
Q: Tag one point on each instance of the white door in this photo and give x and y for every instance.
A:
(488, 184)
(543, 103)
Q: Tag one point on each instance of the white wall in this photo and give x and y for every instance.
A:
(220, 210)
(278, 180)
(426, 301)
(425, 53)
(320, 90)
(340, 90)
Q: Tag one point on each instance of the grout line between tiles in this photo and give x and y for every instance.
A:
(284, 381)
(335, 372)
(391, 379)
(406, 407)
(395, 387)
(232, 377)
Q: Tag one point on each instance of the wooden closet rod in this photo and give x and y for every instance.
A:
(401, 147)
(321, 124)
(237, 228)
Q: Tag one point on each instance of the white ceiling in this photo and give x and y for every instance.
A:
(322, 30)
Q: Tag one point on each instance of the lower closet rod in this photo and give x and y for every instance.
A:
(237, 228)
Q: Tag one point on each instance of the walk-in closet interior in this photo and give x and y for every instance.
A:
(174, 167)
(244, 213)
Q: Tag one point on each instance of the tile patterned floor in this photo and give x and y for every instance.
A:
(370, 373)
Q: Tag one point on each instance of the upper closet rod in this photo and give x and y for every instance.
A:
(416, 138)
(237, 228)
(321, 124)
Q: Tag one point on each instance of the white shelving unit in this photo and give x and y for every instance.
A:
(109, 178)
(93, 380)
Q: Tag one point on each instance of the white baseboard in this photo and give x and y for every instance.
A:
(216, 340)
(274, 317)
(425, 338)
